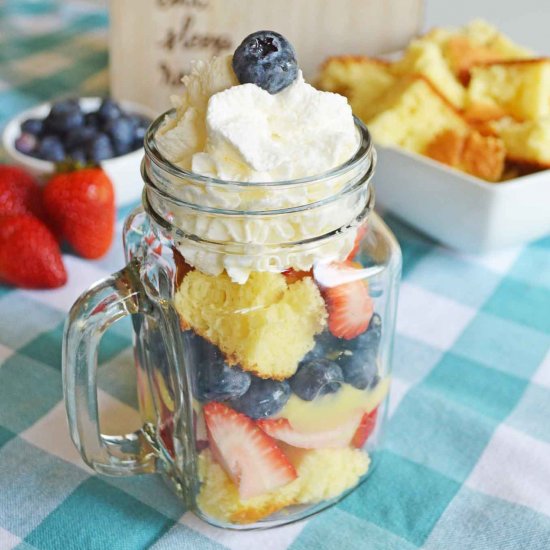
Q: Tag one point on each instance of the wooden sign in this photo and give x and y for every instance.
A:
(153, 41)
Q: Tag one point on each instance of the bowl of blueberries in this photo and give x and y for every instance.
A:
(87, 130)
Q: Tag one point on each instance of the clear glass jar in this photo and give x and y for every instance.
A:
(262, 381)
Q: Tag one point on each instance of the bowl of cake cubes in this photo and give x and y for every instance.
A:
(461, 124)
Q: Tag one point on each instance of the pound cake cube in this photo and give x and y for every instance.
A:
(481, 33)
(475, 43)
(219, 496)
(412, 113)
(526, 142)
(461, 54)
(519, 88)
(363, 80)
(322, 474)
(265, 325)
(483, 157)
(325, 473)
(473, 153)
(426, 58)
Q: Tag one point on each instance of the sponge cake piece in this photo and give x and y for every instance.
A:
(473, 153)
(519, 88)
(426, 58)
(481, 33)
(323, 474)
(265, 325)
(363, 80)
(475, 43)
(461, 54)
(412, 113)
(526, 142)
(219, 496)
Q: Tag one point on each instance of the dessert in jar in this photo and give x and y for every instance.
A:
(264, 288)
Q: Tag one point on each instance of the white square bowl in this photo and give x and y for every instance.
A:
(124, 170)
(459, 210)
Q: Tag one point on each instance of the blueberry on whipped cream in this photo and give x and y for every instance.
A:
(267, 59)
(230, 124)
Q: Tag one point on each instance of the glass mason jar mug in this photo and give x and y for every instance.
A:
(262, 381)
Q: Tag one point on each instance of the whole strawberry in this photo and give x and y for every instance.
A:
(81, 207)
(29, 254)
(19, 192)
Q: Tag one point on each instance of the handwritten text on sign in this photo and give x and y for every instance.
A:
(186, 34)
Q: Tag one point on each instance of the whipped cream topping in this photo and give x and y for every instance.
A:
(244, 133)
(256, 136)
(234, 132)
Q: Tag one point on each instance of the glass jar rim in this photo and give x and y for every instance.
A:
(153, 153)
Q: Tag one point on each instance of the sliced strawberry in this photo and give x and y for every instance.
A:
(165, 408)
(282, 430)
(166, 428)
(201, 435)
(166, 433)
(349, 305)
(182, 267)
(368, 422)
(293, 276)
(248, 455)
(361, 231)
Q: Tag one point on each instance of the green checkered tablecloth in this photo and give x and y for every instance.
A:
(467, 457)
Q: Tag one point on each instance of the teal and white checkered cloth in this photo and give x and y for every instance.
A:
(467, 459)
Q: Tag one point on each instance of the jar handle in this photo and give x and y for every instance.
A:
(107, 301)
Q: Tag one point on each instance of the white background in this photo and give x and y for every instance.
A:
(525, 21)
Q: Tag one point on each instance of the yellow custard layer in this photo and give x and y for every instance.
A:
(332, 410)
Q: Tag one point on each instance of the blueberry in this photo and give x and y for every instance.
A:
(79, 137)
(141, 121)
(32, 126)
(137, 144)
(122, 132)
(316, 378)
(215, 380)
(155, 347)
(264, 398)
(141, 126)
(267, 59)
(358, 363)
(375, 326)
(64, 116)
(123, 148)
(99, 148)
(59, 124)
(64, 106)
(108, 110)
(326, 346)
(26, 143)
(78, 155)
(140, 134)
(359, 368)
(91, 120)
(50, 148)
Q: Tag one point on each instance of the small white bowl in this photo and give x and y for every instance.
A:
(459, 210)
(124, 171)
